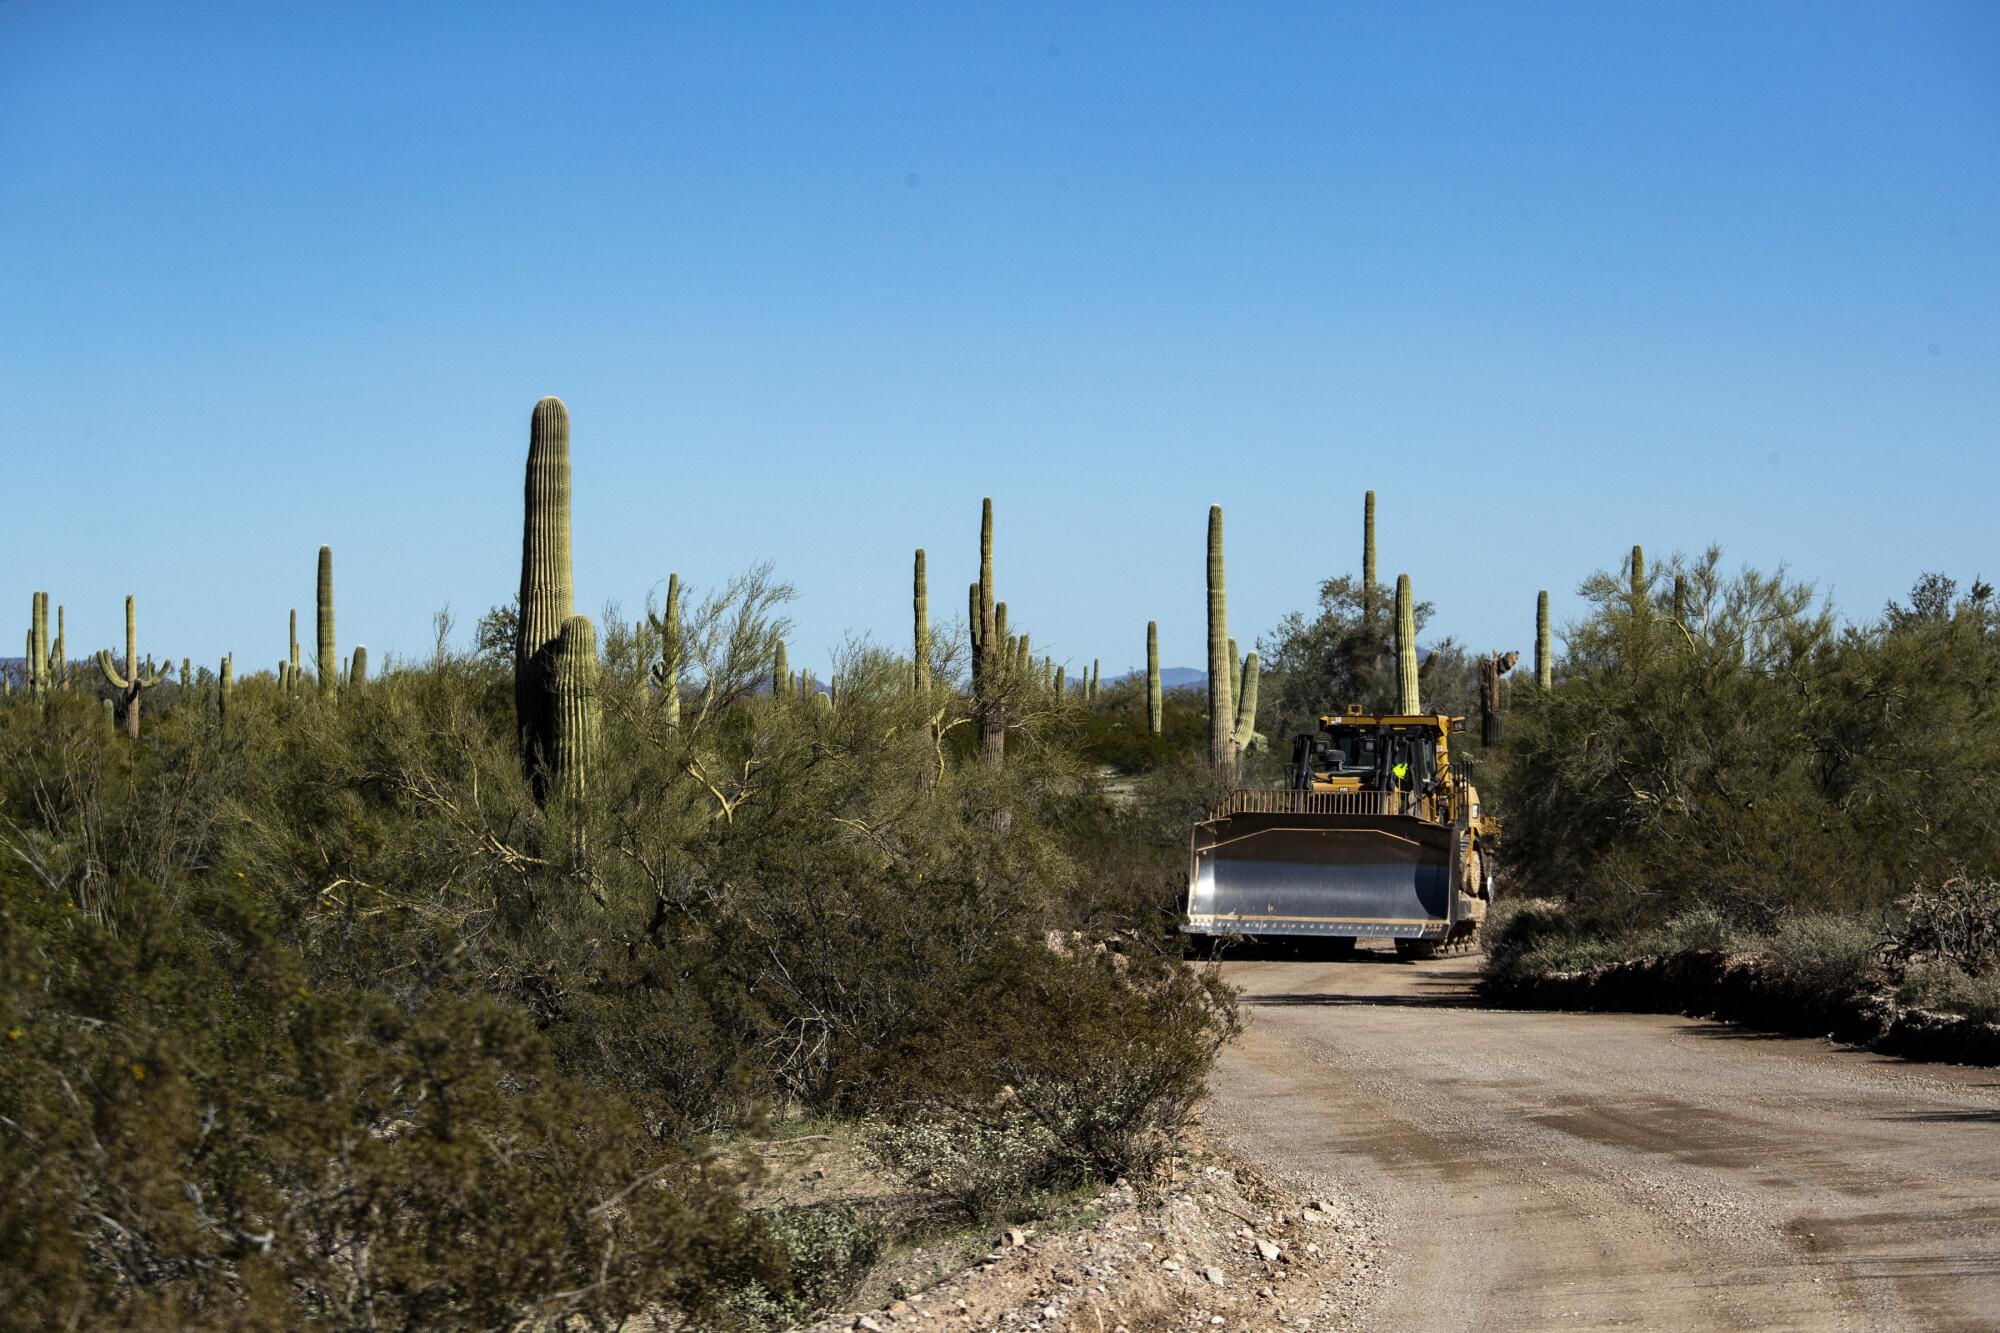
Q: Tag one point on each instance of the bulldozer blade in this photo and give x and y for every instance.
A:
(1340, 875)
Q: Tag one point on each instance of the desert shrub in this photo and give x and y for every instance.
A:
(1948, 988)
(981, 1170)
(196, 1136)
(1820, 957)
(1529, 938)
(1699, 929)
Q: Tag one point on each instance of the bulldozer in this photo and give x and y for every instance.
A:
(1377, 835)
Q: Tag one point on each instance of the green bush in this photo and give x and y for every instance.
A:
(1948, 988)
(379, 995)
(1818, 957)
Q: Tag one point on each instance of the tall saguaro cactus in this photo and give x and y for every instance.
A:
(225, 687)
(991, 645)
(292, 676)
(920, 611)
(547, 585)
(327, 663)
(1155, 703)
(1221, 706)
(1545, 666)
(667, 672)
(1407, 700)
(1638, 579)
(781, 674)
(357, 668)
(1369, 597)
(38, 646)
(137, 678)
(573, 707)
(59, 654)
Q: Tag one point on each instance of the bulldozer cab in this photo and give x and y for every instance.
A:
(1360, 752)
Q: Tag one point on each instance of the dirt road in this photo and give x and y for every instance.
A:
(1536, 1170)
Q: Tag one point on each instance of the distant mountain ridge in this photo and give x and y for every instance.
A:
(1171, 678)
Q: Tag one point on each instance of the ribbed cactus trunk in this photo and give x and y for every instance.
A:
(187, 673)
(1095, 668)
(1235, 671)
(1638, 592)
(988, 705)
(1407, 700)
(59, 654)
(1156, 718)
(1059, 684)
(38, 646)
(357, 669)
(547, 596)
(920, 614)
(292, 675)
(781, 674)
(1246, 705)
(572, 705)
(225, 687)
(327, 664)
(1221, 703)
(667, 671)
(1545, 665)
(1370, 598)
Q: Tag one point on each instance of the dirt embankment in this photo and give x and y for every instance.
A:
(1738, 989)
(1219, 1247)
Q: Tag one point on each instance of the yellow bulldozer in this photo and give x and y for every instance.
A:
(1377, 835)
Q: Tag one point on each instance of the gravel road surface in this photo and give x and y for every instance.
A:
(1525, 1170)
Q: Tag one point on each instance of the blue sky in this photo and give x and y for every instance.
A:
(1552, 279)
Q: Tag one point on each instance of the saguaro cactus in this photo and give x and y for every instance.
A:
(781, 674)
(1095, 668)
(292, 676)
(1369, 597)
(327, 662)
(1407, 701)
(58, 655)
(136, 678)
(38, 646)
(1246, 705)
(987, 703)
(1545, 666)
(187, 673)
(1155, 701)
(1221, 708)
(667, 671)
(572, 707)
(1058, 686)
(225, 687)
(1638, 579)
(547, 586)
(1235, 671)
(357, 668)
(920, 609)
